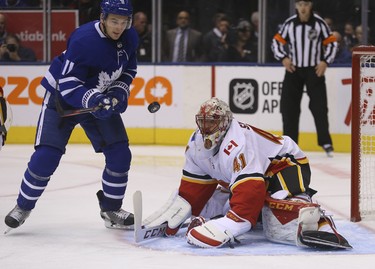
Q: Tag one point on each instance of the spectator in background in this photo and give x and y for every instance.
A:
(359, 35)
(140, 24)
(88, 10)
(14, 3)
(330, 23)
(349, 38)
(13, 51)
(255, 22)
(242, 50)
(215, 42)
(343, 55)
(183, 44)
(3, 25)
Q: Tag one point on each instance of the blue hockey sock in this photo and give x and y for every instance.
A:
(42, 165)
(115, 176)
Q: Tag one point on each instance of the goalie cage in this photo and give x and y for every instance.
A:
(363, 134)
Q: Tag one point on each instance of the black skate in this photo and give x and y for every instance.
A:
(16, 217)
(119, 219)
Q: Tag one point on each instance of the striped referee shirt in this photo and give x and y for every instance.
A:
(309, 43)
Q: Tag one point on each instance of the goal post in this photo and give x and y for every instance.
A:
(363, 134)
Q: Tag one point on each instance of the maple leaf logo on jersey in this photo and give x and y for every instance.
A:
(231, 146)
(105, 80)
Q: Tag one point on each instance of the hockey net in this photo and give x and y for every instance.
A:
(363, 134)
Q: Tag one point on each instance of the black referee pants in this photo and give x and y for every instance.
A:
(290, 103)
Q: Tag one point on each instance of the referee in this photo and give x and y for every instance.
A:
(311, 47)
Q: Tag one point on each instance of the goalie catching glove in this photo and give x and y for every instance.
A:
(174, 212)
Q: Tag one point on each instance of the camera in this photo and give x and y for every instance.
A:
(11, 47)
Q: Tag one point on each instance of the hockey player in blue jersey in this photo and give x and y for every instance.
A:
(96, 70)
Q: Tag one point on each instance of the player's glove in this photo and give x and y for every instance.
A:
(102, 104)
(119, 91)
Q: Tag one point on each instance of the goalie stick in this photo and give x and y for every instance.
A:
(141, 233)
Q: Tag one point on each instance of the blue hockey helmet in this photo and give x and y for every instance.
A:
(118, 7)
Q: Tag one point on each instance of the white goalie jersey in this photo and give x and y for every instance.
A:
(5, 118)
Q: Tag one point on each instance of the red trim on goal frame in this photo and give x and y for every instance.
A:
(359, 51)
(354, 203)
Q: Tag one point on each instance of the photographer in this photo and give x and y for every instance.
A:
(12, 51)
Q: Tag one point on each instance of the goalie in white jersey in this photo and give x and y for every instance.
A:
(232, 171)
(5, 118)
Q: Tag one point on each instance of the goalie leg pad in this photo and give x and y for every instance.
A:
(280, 218)
(175, 211)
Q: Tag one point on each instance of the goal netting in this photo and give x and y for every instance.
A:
(363, 134)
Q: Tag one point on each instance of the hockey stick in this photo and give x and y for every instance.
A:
(142, 233)
(79, 111)
(152, 108)
(73, 112)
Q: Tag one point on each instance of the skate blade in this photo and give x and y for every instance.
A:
(111, 225)
(8, 230)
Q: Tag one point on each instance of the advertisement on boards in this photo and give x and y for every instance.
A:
(28, 26)
(178, 89)
(253, 94)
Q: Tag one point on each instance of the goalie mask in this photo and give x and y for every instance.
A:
(213, 120)
(118, 7)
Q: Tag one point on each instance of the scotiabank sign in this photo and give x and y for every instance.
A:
(28, 26)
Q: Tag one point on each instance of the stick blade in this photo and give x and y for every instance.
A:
(142, 233)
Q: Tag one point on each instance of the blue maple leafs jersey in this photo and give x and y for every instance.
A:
(92, 61)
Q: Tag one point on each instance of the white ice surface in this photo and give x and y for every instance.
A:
(65, 230)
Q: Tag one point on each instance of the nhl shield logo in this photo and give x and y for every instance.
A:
(243, 96)
(313, 34)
